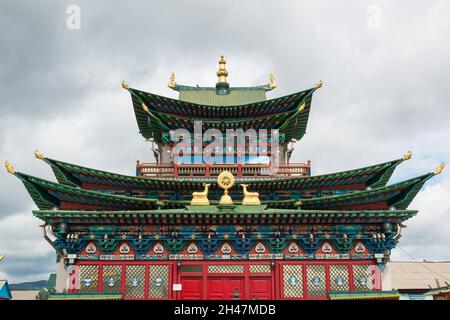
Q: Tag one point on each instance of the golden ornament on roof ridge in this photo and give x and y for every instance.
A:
(407, 155)
(38, 155)
(439, 168)
(172, 84)
(9, 167)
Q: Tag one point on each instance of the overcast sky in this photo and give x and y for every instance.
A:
(385, 67)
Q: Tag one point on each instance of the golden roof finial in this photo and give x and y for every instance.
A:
(172, 84)
(318, 84)
(144, 107)
(2, 256)
(38, 155)
(407, 155)
(272, 81)
(9, 167)
(439, 168)
(124, 85)
(222, 73)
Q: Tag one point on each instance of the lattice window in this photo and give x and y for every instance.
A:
(362, 277)
(226, 268)
(339, 277)
(293, 281)
(112, 279)
(259, 268)
(191, 268)
(88, 279)
(135, 281)
(159, 281)
(316, 280)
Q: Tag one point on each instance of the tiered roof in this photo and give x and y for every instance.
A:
(51, 195)
(157, 115)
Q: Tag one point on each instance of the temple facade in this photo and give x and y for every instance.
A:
(221, 215)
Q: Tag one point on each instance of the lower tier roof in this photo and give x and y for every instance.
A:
(51, 195)
(231, 215)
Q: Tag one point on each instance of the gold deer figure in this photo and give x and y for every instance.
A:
(201, 198)
(250, 198)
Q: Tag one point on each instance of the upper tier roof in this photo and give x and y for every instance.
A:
(157, 115)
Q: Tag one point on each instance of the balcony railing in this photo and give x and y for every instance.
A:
(207, 171)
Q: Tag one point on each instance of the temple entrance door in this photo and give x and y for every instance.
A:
(192, 288)
(260, 288)
(224, 288)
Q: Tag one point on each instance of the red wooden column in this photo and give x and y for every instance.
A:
(239, 170)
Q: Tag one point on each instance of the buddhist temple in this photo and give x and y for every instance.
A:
(210, 219)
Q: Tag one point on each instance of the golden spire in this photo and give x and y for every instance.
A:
(38, 155)
(172, 84)
(407, 155)
(2, 256)
(272, 81)
(124, 85)
(222, 73)
(439, 168)
(9, 167)
(318, 84)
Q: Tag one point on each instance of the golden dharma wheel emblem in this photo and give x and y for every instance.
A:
(225, 180)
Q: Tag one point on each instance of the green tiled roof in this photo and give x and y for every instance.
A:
(374, 176)
(288, 113)
(398, 195)
(85, 296)
(364, 295)
(234, 214)
(209, 96)
(49, 195)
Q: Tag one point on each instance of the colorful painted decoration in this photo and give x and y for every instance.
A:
(326, 248)
(316, 280)
(293, 280)
(87, 282)
(339, 280)
(363, 280)
(192, 248)
(158, 248)
(135, 282)
(91, 248)
(360, 248)
(158, 282)
(260, 248)
(226, 248)
(124, 248)
(111, 282)
(293, 248)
